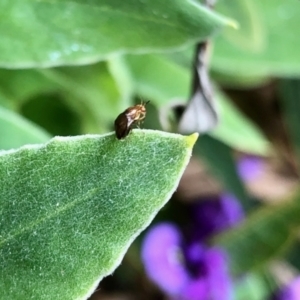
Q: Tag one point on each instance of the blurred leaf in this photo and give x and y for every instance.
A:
(266, 44)
(251, 286)
(290, 90)
(219, 159)
(91, 92)
(238, 131)
(51, 112)
(251, 35)
(161, 80)
(15, 131)
(119, 70)
(265, 235)
(42, 33)
(61, 202)
(292, 256)
(238, 80)
(152, 120)
(19, 85)
(158, 78)
(5, 101)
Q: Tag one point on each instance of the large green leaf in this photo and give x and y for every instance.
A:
(16, 131)
(69, 209)
(263, 236)
(266, 43)
(47, 33)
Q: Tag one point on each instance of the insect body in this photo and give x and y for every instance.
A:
(128, 118)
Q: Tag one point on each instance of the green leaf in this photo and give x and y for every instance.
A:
(290, 94)
(120, 72)
(252, 286)
(158, 78)
(219, 159)
(266, 43)
(19, 85)
(15, 131)
(71, 208)
(238, 131)
(90, 91)
(263, 236)
(42, 33)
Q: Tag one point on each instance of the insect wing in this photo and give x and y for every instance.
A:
(122, 128)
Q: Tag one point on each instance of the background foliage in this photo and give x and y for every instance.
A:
(70, 67)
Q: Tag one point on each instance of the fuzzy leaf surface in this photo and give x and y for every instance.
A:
(69, 209)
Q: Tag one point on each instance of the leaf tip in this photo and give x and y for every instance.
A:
(234, 24)
(191, 139)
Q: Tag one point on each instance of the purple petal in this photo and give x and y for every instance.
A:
(219, 280)
(295, 289)
(195, 252)
(194, 258)
(213, 281)
(250, 167)
(232, 210)
(207, 218)
(213, 215)
(161, 258)
(196, 290)
(291, 292)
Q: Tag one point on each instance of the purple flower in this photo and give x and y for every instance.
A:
(181, 264)
(215, 214)
(291, 292)
(249, 167)
(161, 257)
(190, 272)
(212, 280)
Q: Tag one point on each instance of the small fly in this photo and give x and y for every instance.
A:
(128, 118)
